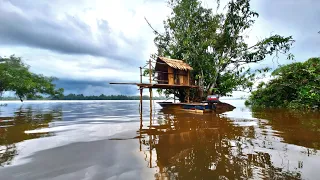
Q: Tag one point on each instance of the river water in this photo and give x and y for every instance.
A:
(108, 140)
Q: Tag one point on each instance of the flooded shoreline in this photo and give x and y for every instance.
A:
(103, 139)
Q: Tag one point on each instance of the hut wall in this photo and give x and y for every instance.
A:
(181, 77)
(184, 77)
(162, 78)
(161, 72)
(170, 75)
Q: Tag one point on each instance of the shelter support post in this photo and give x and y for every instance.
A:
(141, 75)
(150, 89)
(150, 136)
(141, 91)
(188, 95)
(150, 92)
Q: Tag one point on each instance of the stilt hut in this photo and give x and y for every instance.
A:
(172, 72)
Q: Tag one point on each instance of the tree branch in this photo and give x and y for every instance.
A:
(155, 31)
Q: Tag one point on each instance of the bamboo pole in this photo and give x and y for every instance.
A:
(150, 92)
(141, 91)
(150, 89)
(140, 74)
(150, 150)
(150, 71)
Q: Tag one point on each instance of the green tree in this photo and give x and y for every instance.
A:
(214, 44)
(15, 76)
(296, 85)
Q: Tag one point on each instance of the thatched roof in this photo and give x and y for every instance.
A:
(176, 64)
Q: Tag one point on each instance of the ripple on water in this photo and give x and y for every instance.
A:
(244, 122)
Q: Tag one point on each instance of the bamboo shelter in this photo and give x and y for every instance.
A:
(173, 72)
(166, 74)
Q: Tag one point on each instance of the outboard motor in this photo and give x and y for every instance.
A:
(213, 99)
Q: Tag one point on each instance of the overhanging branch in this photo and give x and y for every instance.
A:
(155, 31)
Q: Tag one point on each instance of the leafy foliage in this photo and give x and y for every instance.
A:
(296, 85)
(15, 76)
(214, 44)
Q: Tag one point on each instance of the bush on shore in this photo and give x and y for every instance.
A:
(295, 86)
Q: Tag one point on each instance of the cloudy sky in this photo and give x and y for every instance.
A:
(89, 43)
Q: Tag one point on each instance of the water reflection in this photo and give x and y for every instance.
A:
(211, 146)
(14, 129)
(242, 144)
(296, 127)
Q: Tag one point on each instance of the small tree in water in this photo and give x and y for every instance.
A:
(214, 45)
(16, 77)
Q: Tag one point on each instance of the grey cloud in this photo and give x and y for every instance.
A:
(39, 28)
(34, 24)
(70, 36)
(298, 13)
(299, 18)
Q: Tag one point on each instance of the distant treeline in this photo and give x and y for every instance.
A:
(106, 97)
(83, 97)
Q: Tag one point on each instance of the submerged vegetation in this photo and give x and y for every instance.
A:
(16, 77)
(296, 85)
(214, 45)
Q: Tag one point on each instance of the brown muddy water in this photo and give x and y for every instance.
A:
(105, 140)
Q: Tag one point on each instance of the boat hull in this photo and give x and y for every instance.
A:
(198, 107)
(194, 107)
(170, 105)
